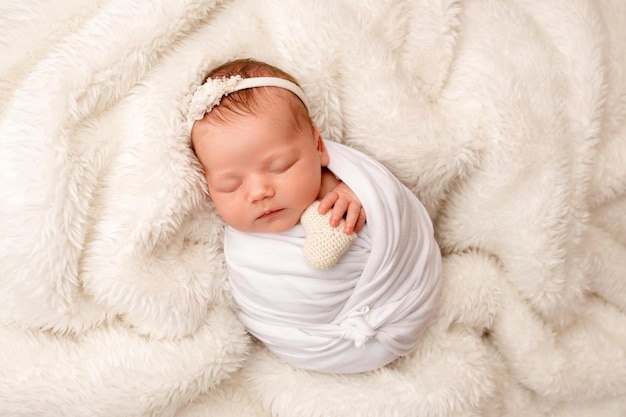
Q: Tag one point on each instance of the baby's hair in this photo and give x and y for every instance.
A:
(247, 101)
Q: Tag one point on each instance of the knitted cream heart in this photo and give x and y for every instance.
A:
(324, 245)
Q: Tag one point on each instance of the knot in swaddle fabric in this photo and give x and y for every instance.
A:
(357, 329)
(360, 314)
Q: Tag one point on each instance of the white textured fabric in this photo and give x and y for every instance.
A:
(370, 308)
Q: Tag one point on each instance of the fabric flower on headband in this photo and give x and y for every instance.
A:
(209, 95)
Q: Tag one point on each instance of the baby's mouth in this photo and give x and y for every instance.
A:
(269, 214)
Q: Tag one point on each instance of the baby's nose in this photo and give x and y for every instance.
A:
(260, 188)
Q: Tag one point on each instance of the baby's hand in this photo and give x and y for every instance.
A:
(343, 201)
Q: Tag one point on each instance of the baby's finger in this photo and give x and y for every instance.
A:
(327, 202)
(339, 209)
(352, 217)
(361, 221)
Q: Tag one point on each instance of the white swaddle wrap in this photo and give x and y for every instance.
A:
(368, 309)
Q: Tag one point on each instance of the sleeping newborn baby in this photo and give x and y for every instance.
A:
(322, 292)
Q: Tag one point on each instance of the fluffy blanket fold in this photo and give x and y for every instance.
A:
(370, 308)
(506, 118)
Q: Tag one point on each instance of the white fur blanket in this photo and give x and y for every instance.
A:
(506, 118)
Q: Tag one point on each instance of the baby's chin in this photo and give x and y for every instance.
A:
(278, 228)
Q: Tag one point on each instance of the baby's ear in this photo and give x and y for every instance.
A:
(321, 147)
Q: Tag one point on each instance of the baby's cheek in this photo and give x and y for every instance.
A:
(223, 208)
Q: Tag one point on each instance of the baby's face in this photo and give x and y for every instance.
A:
(262, 170)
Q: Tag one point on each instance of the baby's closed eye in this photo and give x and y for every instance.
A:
(281, 165)
(229, 185)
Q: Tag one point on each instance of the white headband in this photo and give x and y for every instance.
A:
(209, 94)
